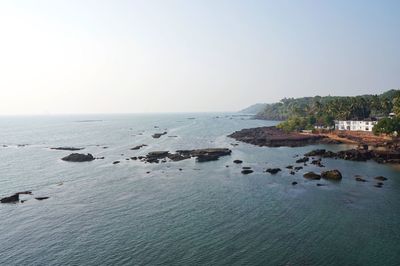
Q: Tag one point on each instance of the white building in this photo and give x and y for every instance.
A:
(355, 125)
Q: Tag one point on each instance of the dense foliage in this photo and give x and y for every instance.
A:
(304, 113)
(326, 109)
(388, 126)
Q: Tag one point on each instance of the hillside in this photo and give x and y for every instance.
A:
(254, 109)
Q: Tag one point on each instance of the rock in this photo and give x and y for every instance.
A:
(206, 158)
(273, 171)
(312, 175)
(317, 163)
(332, 175)
(246, 167)
(294, 183)
(138, 147)
(78, 157)
(177, 157)
(28, 192)
(275, 137)
(67, 149)
(10, 199)
(41, 198)
(318, 152)
(380, 178)
(289, 167)
(321, 185)
(116, 162)
(297, 168)
(303, 160)
(360, 179)
(180, 169)
(292, 172)
(158, 135)
(378, 185)
(22, 201)
(247, 171)
(238, 161)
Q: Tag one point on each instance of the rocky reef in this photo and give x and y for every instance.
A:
(275, 137)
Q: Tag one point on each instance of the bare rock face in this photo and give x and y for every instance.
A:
(332, 175)
(78, 157)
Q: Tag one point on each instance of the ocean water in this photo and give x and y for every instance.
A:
(99, 213)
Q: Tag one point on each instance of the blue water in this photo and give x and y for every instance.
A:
(207, 214)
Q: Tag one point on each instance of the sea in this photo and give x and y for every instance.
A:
(186, 212)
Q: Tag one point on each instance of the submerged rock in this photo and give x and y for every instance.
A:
(359, 178)
(116, 162)
(294, 183)
(332, 175)
(238, 161)
(78, 157)
(380, 178)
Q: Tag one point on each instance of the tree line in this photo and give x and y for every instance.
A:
(306, 112)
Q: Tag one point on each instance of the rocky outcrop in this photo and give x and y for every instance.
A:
(78, 157)
(158, 135)
(303, 160)
(275, 137)
(380, 156)
(247, 171)
(273, 171)
(138, 147)
(317, 152)
(67, 149)
(312, 176)
(332, 175)
(10, 199)
(201, 155)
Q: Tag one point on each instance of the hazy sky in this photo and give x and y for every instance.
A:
(174, 56)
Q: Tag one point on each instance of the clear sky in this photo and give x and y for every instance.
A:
(176, 56)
